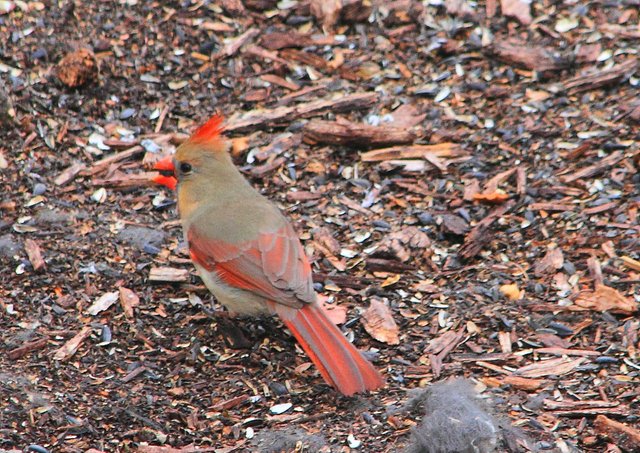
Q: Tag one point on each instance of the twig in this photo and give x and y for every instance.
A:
(352, 134)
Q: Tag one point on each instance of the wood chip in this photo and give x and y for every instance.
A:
(234, 45)
(279, 81)
(281, 40)
(104, 163)
(504, 338)
(127, 180)
(555, 367)
(624, 435)
(599, 78)
(552, 207)
(69, 174)
(35, 254)
(336, 313)
(523, 383)
(415, 151)
(525, 55)
(279, 115)
(71, 347)
(596, 168)
(26, 348)
(379, 323)
(479, 234)
(168, 274)
(103, 302)
(327, 12)
(631, 263)
(352, 134)
(583, 404)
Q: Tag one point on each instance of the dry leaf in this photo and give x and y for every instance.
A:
(497, 197)
(103, 302)
(128, 300)
(326, 11)
(35, 255)
(605, 298)
(553, 260)
(391, 280)
(511, 292)
(379, 323)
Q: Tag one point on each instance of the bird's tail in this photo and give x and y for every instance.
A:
(338, 361)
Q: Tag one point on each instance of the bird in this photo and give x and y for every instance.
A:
(250, 257)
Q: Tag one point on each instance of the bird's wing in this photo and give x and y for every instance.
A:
(273, 266)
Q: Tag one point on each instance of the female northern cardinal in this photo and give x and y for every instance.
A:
(250, 258)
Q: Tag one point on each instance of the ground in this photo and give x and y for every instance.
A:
(464, 178)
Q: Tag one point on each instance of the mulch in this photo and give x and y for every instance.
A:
(464, 178)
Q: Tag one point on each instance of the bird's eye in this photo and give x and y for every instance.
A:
(185, 168)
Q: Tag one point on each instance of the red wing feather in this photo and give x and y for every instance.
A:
(273, 266)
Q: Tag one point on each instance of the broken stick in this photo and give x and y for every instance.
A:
(352, 134)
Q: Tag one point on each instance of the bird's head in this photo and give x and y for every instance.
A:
(202, 152)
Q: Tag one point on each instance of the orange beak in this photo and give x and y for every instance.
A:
(166, 169)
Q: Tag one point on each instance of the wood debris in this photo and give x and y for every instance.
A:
(71, 347)
(102, 303)
(523, 55)
(168, 274)
(473, 165)
(598, 79)
(128, 300)
(622, 434)
(358, 101)
(478, 236)
(358, 135)
(26, 348)
(550, 367)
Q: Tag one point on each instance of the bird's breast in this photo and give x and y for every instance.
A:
(238, 301)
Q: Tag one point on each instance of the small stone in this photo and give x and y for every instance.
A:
(425, 218)
(39, 189)
(9, 247)
(278, 389)
(142, 238)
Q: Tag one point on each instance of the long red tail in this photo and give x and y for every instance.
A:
(338, 361)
